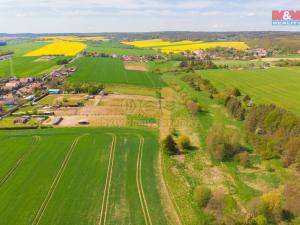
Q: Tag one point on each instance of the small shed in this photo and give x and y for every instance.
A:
(21, 120)
(83, 122)
(30, 98)
(53, 91)
(57, 120)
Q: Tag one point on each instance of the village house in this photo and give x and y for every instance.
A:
(128, 58)
(259, 52)
(11, 85)
(29, 89)
(200, 54)
(26, 80)
(64, 72)
(4, 57)
(8, 99)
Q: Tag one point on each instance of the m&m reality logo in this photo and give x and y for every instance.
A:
(286, 17)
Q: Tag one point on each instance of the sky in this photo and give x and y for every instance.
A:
(86, 16)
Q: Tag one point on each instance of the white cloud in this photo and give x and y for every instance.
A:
(137, 15)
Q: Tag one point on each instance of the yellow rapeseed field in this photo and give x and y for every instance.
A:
(65, 48)
(202, 46)
(181, 46)
(156, 43)
(71, 38)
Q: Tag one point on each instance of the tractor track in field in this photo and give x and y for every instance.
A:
(20, 160)
(55, 182)
(139, 183)
(105, 199)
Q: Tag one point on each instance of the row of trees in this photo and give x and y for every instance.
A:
(175, 146)
(285, 63)
(192, 105)
(235, 107)
(198, 64)
(198, 83)
(78, 87)
(274, 133)
(63, 61)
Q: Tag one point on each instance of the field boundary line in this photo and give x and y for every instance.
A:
(19, 161)
(138, 185)
(149, 77)
(125, 72)
(105, 198)
(56, 180)
(171, 195)
(141, 193)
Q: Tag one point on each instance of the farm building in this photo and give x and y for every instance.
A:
(57, 120)
(83, 122)
(21, 120)
(53, 91)
(30, 98)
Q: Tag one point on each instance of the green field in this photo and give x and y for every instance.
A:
(291, 56)
(237, 63)
(20, 48)
(279, 86)
(25, 66)
(79, 176)
(112, 71)
(117, 48)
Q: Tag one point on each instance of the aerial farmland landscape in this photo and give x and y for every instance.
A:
(149, 112)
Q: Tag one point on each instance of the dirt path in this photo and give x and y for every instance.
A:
(105, 199)
(139, 183)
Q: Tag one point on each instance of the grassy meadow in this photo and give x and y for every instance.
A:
(79, 176)
(20, 48)
(197, 167)
(279, 86)
(112, 71)
(26, 66)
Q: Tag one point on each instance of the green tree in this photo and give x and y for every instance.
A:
(183, 142)
(92, 90)
(170, 145)
(215, 142)
(202, 195)
(261, 220)
(290, 151)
